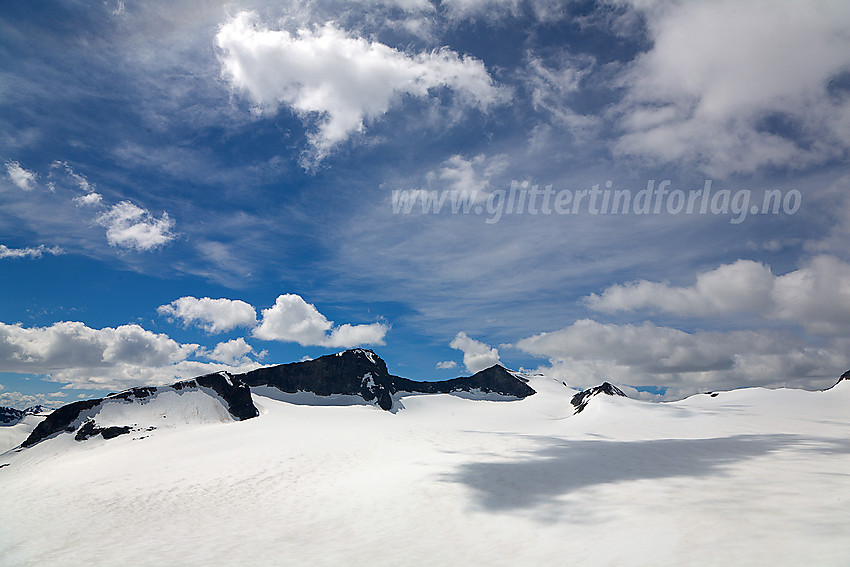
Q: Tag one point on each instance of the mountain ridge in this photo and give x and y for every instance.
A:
(355, 372)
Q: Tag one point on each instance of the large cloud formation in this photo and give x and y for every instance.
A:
(816, 296)
(735, 86)
(343, 79)
(588, 352)
(109, 358)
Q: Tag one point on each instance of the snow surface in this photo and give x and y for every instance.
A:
(749, 477)
(13, 435)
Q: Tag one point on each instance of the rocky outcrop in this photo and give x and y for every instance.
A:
(235, 393)
(580, 400)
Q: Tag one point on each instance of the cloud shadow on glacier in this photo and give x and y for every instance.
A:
(560, 467)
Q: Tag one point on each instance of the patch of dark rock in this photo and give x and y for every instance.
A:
(90, 429)
(235, 393)
(60, 419)
(581, 399)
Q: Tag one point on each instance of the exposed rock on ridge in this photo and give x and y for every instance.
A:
(581, 399)
(360, 372)
(72, 417)
(356, 372)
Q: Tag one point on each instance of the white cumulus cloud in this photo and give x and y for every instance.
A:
(22, 401)
(816, 296)
(476, 355)
(130, 226)
(88, 200)
(234, 352)
(343, 80)
(292, 319)
(21, 177)
(588, 352)
(107, 358)
(211, 315)
(446, 364)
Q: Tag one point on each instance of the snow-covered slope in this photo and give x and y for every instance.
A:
(749, 477)
(16, 425)
(210, 398)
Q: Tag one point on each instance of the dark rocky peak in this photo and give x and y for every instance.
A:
(356, 372)
(581, 399)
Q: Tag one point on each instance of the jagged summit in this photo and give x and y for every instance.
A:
(357, 372)
(581, 399)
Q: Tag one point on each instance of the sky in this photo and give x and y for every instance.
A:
(649, 192)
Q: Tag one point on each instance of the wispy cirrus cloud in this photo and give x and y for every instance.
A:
(29, 252)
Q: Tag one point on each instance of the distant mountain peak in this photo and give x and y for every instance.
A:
(581, 399)
(11, 416)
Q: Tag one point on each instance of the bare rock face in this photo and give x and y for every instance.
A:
(356, 372)
(581, 399)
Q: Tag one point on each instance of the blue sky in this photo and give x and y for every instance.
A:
(197, 186)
